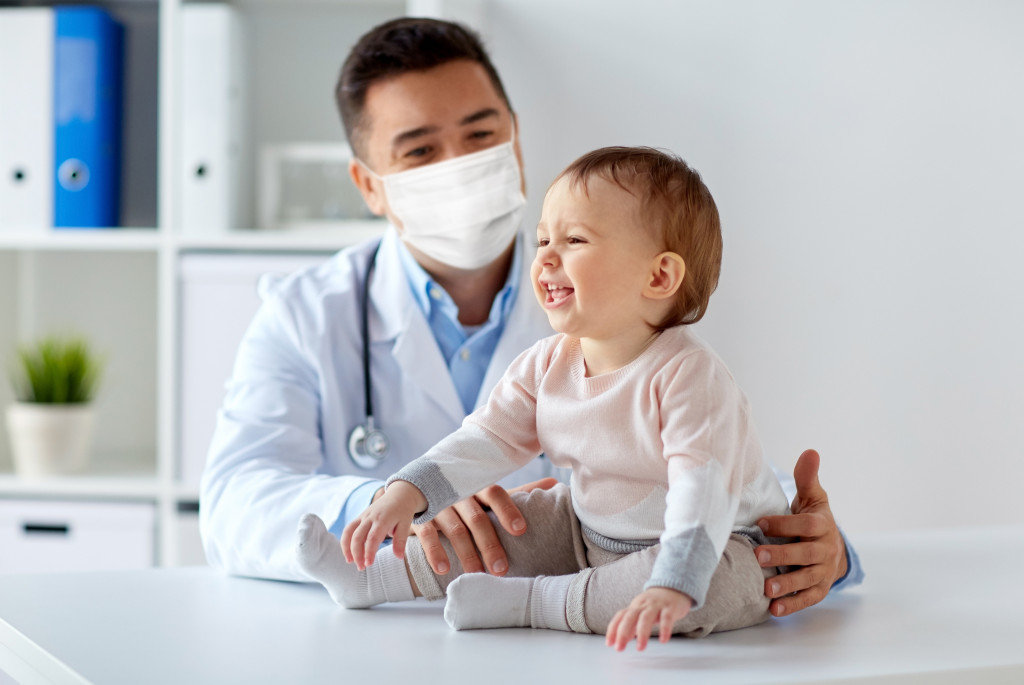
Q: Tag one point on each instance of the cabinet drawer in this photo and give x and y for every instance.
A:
(75, 536)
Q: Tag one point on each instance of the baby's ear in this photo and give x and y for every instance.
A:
(667, 272)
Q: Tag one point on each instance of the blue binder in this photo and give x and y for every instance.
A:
(88, 60)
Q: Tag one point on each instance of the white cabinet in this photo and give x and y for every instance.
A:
(218, 300)
(75, 536)
(125, 287)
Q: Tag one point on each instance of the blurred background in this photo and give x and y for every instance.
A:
(865, 158)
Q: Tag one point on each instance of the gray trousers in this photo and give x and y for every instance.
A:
(605, 582)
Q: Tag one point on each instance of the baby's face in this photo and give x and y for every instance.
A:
(594, 258)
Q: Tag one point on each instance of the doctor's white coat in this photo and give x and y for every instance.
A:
(280, 449)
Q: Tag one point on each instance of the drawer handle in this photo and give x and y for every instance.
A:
(46, 529)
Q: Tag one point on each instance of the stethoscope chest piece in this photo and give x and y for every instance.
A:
(368, 446)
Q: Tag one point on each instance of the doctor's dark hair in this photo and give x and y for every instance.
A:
(397, 47)
(673, 200)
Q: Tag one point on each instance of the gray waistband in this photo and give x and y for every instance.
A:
(616, 546)
(753, 533)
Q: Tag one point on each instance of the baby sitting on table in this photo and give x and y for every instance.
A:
(656, 532)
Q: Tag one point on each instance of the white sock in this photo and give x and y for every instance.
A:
(478, 600)
(320, 556)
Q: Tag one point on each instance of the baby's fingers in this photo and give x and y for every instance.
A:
(346, 540)
(665, 625)
(627, 629)
(643, 628)
(613, 627)
(374, 537)
(398, 538)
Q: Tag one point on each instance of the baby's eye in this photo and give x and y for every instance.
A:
(575, 240)
(541, 242)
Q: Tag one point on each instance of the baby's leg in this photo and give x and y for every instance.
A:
(542, 564)
(735, 598)
(551, 545)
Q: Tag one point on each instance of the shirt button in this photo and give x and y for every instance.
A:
(435, 292)
(465, 355)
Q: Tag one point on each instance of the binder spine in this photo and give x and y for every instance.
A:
(87, 98)
(26, 108)
(213, 164)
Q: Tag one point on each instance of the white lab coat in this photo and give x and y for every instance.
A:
(280, 449)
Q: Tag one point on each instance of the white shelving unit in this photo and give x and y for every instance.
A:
(120, 286)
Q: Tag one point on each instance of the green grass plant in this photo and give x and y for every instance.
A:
(56, 370)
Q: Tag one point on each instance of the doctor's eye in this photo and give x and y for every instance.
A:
(421, 151)
(480, 135)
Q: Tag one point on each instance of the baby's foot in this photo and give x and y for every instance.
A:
(477, 600)
(320, 556)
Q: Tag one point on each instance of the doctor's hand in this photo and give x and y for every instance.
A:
(389, 515)
(471, 532)
(819, 551)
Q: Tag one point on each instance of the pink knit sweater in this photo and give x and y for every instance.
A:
(661, 449)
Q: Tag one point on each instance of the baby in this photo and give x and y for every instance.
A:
(656, 531)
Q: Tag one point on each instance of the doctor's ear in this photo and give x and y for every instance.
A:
(666, 276)
(370, 188)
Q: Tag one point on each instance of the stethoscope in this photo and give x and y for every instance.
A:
(368, 445)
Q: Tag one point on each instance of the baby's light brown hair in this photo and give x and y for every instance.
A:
(673, 200)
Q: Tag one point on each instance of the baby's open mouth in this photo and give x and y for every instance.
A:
(557, 293)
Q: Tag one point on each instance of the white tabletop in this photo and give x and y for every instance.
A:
(937, 607)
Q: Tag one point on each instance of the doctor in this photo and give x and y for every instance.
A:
(439, 306)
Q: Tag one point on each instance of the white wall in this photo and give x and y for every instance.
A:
(866, 159)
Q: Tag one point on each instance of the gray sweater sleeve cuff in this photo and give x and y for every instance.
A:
(686, 563)
(427, 476)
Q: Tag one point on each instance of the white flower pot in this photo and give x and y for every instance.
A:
(49, 439)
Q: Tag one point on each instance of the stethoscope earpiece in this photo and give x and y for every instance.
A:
(367, 446)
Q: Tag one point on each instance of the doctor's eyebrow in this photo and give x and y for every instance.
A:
(477, 116)
(411, 134)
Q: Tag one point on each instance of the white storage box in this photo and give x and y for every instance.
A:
(75, 536)
(190, 543)
(218, 301)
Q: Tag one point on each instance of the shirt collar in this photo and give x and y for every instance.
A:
(428, 294)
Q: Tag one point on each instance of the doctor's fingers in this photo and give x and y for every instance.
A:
(790, 604)
(430, 541)
(466, 526)
(499, 501)
(803, 553)
(484, 535)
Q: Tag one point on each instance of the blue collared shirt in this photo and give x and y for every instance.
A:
(468, 352)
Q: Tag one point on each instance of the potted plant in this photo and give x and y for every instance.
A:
(50, 424)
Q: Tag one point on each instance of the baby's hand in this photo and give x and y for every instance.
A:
(391, 514)
(658, 605)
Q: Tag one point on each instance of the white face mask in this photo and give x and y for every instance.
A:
(463, 212)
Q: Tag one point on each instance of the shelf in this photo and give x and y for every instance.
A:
(85, 239)
(307, 240)
(186, 493)
(106, 487)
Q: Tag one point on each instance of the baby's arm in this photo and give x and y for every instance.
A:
(391, 514)
(657, 605)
